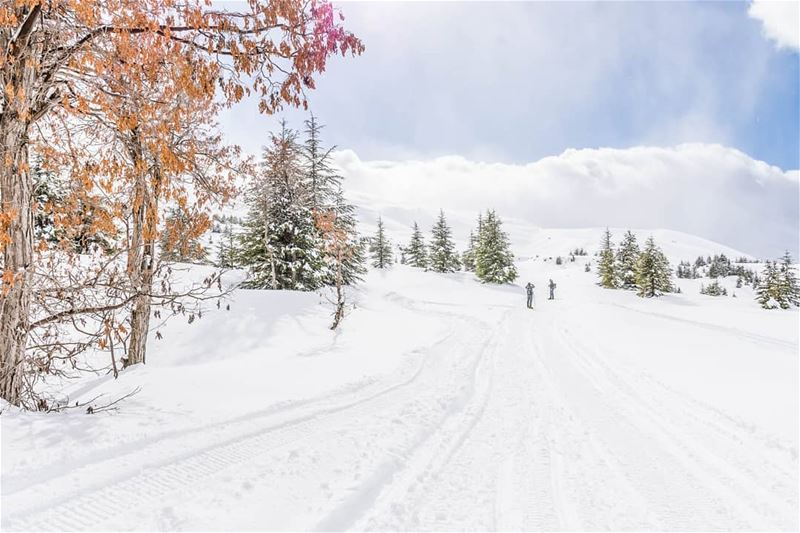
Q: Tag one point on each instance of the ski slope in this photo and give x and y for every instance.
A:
(440, 404)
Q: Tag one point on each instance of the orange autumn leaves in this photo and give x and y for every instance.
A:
(153, 67)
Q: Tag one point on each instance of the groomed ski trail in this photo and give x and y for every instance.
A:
(511, 421)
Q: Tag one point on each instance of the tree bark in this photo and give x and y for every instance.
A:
(339, 314)
(17, 253)
(19, 76)
(141, 263)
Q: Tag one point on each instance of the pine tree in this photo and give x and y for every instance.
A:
(226, 251)
(81, 230)
(605, 264)
(494, 262)
(442, 255)
(713, 289)
(416, 255)
(468, 257)
(685, 270)
(48, 191)
(719, 267)
(281, 245)
(322, 180)
(768, 288)
(326, 199)
(380, 248)
(353, 259)
(627, 255)
(652, 271)
(179, 241)
(343, 250)
(90, 233)
(790, 290)
(778, 287)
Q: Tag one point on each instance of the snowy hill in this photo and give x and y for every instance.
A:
(439, 404)
(528, 240)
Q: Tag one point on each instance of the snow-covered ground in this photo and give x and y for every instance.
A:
(440, 404)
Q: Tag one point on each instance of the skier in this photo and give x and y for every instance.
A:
(529, 287)
(552, 290)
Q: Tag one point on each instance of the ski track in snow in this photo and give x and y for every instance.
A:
(511, 421)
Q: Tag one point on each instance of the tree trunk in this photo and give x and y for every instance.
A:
(339, 314)
(140, 326)
(17, 253)
(141, 266)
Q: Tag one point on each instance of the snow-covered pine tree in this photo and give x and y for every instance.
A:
(652, 271)
(719, 267)
(468, 257)
(180, 239)
(352, 256)
(494, 262)
(627, 255)
(322, 180)
(68, 214)
(380, 249)
(442, 255)
(778, 287)
(226, 251)
(416, 255)
(685, 270)
(343, 250)
(48, 191)
(281, 245)
(325, 196)
(768, 287)
(606, 270)
(713, 289)
(789, 288)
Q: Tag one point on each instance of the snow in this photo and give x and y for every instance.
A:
(440, 404)
(527, 240)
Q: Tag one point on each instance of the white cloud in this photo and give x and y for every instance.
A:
(515, 81)
(709, 190)
(781, 20)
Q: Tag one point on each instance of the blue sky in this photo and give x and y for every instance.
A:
(515, 82)
(676, 115)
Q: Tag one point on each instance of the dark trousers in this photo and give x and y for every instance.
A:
(552, 296)
(530, 301)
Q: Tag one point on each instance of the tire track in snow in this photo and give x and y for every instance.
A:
(387, 489)
(724, 469)
(528, 494)
(603, 499)
(157, 479)
(697, 496)
(787, 346)
(217, 456)
(368, 389)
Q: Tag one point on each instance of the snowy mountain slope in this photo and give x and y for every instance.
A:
(675, 244)
(527, 240)
(440, 404)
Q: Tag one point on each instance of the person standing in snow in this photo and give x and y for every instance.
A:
(529, 288)
(552, 286)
